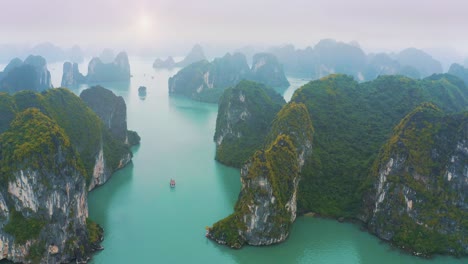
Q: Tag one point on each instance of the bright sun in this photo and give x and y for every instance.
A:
(144, 23)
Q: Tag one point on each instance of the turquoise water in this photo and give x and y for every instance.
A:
(147, 222)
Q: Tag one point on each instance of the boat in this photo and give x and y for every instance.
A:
(172, 183)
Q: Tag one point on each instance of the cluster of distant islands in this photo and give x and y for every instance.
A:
(378, 139)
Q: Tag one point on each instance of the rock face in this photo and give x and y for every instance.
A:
(14, 63)
(419, 196)
(420, 61)
(42, 73)
(98, 72)
(334, 57)
(142, 91)
(112, 111)
(50, 156)
(381, 64)
(459, 71)
(32, 74)
(119, 70)
(71, 75)
(267, 206)
(43, 195)
(206, 81)
(195, 55)
(267, 70)
(244, 118)
(110, 108)
(409, 198)
(169, 63)
(343, 111)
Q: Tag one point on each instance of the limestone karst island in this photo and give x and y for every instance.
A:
(234, 132)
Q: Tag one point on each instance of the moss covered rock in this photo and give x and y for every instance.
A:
(53, 149)
(267, 206)
(206, 81)
(418, 195)
(244, 118)
(43, 192)
(352, 121)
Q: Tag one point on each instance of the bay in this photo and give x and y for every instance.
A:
(145, 221)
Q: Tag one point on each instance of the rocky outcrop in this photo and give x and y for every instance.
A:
(50, 156)
(142, 91)
(14, 63)
(244, 117)
(42, 73)
(267, 70)
(98, 72)
(117, 71)
(334, 57)
(267, 204)
(206, 81)
(195, 55)
(419, 60)
(334, 176)
(112, 111)
(459, 71)
(7, 111)
(71, 76)
(43, 200)
(32, 74)
(168, 63)
(110, 108)
(418, 199)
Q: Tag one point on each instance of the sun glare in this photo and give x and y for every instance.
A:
(144, 23)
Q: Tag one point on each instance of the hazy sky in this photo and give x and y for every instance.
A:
(161, 24)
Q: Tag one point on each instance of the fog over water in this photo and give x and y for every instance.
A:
(171, 27)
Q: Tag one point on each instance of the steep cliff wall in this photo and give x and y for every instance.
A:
(43, 198)
(71, 76)
(206, 81)
(53, 150)
(418, 199)
(98, 71)
(244, 119)
(32, 74)
(267, 205)
(110, 108)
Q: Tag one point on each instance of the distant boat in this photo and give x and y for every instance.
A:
(172, 183)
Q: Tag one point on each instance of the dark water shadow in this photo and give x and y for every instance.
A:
(100, 200)
(229, 179)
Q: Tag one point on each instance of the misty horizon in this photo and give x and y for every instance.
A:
(171, 28)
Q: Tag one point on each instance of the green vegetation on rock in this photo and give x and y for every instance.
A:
(49, 145)
(81, 125)
(7, 111)
(266, 206)
(459, 71)
(419, 202)
(206, 81)
(95, 232)
(22, 228)
(269, 173)
(294, 120)
(352, 121)
(36, 252)
(244, 119)
(31, 137)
